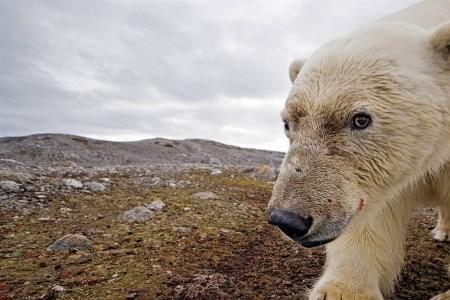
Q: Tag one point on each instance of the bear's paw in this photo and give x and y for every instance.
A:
(441, 234)
(342, 292)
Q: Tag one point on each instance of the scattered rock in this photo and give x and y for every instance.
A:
(23, 176)
(156, 205)
(228, 231)
(138, 214)
(112, 246)
(65, 209)
(216, 172)
(155, 181)
(172, 183)
(182, 229)
(248, 170)
(73, 183)
(95, 186)
(182, 184)
(9, 186)
(71, 242)
(58, 288)
(205, 196)
(49, 294)
(9, 162)
(132, 295)
(214, 161)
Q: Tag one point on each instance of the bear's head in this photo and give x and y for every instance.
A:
(365, 118)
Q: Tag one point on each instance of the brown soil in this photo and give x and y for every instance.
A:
(230, 253)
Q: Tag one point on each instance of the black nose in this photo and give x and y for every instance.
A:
(290, 223)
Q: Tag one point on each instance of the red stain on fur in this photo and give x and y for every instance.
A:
(361, 204)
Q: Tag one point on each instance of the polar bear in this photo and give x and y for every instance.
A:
(368, 121)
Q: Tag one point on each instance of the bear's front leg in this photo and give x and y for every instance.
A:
(350, 274)
(365, 260)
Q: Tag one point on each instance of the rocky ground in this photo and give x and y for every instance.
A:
(191, 231)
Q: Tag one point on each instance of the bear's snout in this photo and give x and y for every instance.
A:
(290, 223)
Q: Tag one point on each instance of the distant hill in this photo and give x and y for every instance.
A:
(48, 149)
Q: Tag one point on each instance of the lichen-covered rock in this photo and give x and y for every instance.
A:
(9, 186)
(71, 242)
(138, 214)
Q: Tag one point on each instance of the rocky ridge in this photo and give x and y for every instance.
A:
(60, 149)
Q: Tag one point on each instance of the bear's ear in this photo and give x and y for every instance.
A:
(440, 39)
(295, 68)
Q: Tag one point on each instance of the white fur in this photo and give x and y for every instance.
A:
(365, 261)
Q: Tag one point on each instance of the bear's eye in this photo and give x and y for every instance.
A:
(361, 121)
(286, 127)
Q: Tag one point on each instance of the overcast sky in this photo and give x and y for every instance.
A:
(129, 70)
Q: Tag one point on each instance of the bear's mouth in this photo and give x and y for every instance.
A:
(316, 240)
(322, 233)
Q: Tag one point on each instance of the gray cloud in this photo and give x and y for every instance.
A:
(126, 70)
